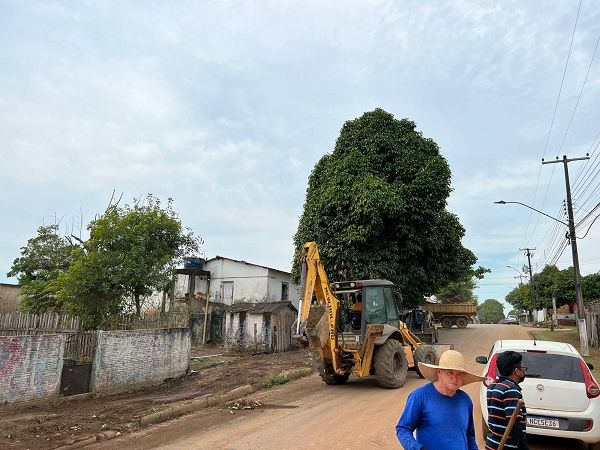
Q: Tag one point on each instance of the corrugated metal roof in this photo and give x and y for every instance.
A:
(259, 308)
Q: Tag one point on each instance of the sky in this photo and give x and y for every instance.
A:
(226, 107)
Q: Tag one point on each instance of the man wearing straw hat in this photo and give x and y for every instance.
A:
(440, 412)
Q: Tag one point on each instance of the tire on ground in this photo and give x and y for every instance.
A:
(447, 322)
(329, 378)
(424, 354)
(461, 322)
(391, 364)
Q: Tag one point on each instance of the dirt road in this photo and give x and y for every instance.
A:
(309, 414)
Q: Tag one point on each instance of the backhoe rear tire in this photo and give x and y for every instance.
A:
(424, 354)
(329, 378)
(391, 364)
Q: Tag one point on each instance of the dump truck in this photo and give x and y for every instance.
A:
(450, 314)
(355, 327)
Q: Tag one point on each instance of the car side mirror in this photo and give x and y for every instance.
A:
(481, 360)
(590, 366)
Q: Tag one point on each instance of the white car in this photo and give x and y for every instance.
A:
(561, 395)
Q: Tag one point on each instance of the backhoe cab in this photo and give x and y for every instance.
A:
(355, 327)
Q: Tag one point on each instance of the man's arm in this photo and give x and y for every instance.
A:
(471, 439)
(408, 423)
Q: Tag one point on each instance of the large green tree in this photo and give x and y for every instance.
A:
(42, 260)
(376, 206)
(490, 311)
(520, 297)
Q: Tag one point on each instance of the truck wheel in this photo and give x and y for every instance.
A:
(461, 322)
(447, 322)
(329, 378)
(391, 364)
(424, 354)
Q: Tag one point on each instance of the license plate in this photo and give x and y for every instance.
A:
(542, 422)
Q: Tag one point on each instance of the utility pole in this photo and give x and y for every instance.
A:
(580, 307)
(529, 255)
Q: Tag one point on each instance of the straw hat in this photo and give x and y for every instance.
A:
(450, 360)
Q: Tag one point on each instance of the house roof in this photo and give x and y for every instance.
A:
(259, 308)
(245, 262)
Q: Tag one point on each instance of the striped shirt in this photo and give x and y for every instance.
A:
(502, 398)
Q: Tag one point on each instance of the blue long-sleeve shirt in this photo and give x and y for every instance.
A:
(441, 422)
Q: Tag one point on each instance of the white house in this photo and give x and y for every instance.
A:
(234, 281)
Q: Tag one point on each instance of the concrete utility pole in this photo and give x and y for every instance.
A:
(580, 307)
(529, 255)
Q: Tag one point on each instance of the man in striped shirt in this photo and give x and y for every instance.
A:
(502, 398)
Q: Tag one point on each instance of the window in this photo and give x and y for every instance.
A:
(552, 367)
(285, 288)
(388, 295)
(227, 292)
(375, 305)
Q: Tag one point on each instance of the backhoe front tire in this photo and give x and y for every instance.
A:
(424, 354)
(391, 364)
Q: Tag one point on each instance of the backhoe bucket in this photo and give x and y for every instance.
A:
(317, 329)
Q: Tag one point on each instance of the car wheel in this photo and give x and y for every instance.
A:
(461, 322)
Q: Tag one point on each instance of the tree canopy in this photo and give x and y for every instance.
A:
(132, 250)
(490, 311)
(376, 206)
(42, 260)
(552, 281)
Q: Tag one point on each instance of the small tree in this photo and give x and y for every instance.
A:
(490, 311)
(42, 260)
(132, 251)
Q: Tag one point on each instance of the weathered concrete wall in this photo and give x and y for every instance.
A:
(276, 280)
(9, 297)
(139, 357)
(249, 280)
(30, 367)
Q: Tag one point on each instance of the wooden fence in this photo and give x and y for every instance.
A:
(17, 324)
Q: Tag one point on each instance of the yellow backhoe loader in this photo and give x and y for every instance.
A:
(355, 327)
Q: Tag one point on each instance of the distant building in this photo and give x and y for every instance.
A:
(9, 297)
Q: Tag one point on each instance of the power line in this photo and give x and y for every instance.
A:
(550, 130)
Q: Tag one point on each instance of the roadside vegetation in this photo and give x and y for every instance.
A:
(205, 363)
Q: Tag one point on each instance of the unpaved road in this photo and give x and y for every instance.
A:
(308, 414)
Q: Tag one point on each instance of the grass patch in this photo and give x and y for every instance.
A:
(569, 335)
(276, 380)
(154, 409)
(206, 363)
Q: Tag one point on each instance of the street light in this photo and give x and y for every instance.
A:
(571, 226)
(502, 202)
(520, 276)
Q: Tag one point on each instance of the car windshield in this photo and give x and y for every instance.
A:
(552, 367)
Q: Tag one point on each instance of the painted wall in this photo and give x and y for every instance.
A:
(30, 367)
(139, 357)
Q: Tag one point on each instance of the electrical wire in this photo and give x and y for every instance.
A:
(590, 227)
(550, 130)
